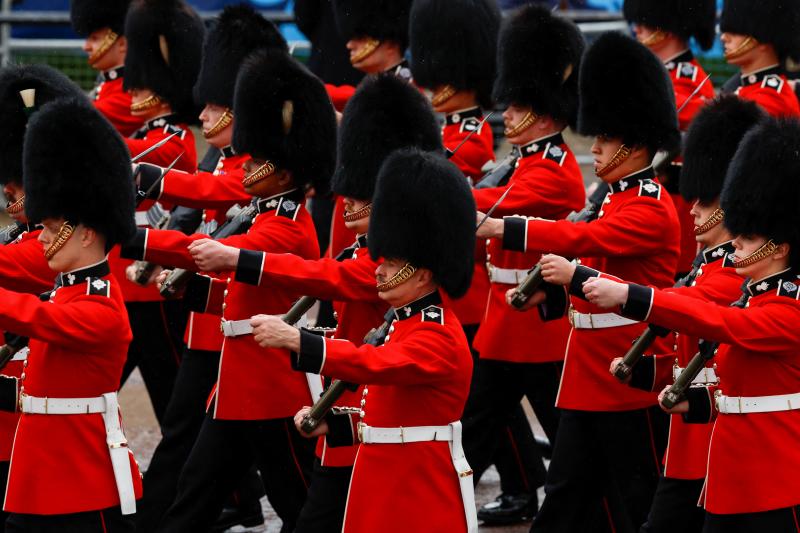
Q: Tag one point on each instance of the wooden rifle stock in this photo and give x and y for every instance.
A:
(674, 394)
(528, 286)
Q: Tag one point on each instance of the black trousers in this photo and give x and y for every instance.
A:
(493, 415)
(3, 485)
(223, 453)
(604, 471)
(323, 511)
(181, 424)
(157, 332)
(105, 521)
(675, 507)
(785, 520)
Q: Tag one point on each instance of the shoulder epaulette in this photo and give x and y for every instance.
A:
(288, 209)
(433, 313)
(790, 289)
(773, 81)
(555, 153)
(650, 188)
(686, 70)
(470, 124)
(98, 287)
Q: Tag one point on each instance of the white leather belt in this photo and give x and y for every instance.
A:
(22, 354)
(756, 404)
(450, 433)
(508, 276)
(597, 320)
(707, 376)
(235, 328)
(108, 406)
(140, 217)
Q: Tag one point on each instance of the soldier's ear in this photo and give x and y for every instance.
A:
(88, 236)
(782, 252)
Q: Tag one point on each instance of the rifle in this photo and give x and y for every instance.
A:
(500, 173)
(324, 404)
(11, 232)
(15, 343)
(144, 269)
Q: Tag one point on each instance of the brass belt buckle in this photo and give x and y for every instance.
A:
(361, 431)
(571, 316)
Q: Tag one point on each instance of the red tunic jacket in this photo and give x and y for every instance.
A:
(636, 236)
(547, 183)
(753, 464)
(79, 342)
(115, 103)
(420, 377)
(253, 383)
(771, 90)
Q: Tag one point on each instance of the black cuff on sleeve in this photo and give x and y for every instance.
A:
(643, 374)
(148, 174)
(640, 299)
(311, 355)
(700, 408)
(248, 268)
(341, 429)
(134, 248)
(514, 230)
(582, 273)
(555, 306)
(8, 394)
(197, 290)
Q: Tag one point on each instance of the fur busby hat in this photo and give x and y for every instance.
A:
(284, 115)
(165, 39)
(454, 42)
(538, 59)
(423, 212)
(41, 84)
(712, 140)
(384, 20)
(684, 18)
(384, 115)
(239, 31)
(761, 188)
(625, 92)
(77, 166)
(88, 16)
(770, 21)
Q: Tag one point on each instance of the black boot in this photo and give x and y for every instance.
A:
(238, 516)
(509, 509)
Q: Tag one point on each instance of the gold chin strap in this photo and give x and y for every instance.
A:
(654, 38)
(527, 121)
(402, 275)
(108, 41)
(364, 212)
(748, 44)
(148, 103)
(262, 172)
(623, 153)
(223, 122)
(63, 235)
(15, 208)
(766, 250)
(442, 95)
(365, 51)
(712, 222)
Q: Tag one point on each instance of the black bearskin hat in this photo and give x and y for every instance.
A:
(77, 166)
(454, 42)
(283, 114)
(239, 31)
(48, 84)
(761, 188)
(165, 39)
(625, 92)
(384, 115)
(538, 59)
(712, 140)
(384, 20)
(424, 213)
(684, 18)
(88, 16)
(770, 21)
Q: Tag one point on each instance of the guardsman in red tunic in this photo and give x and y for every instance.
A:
(78, 336)
(709, 146)
(102, 23)
(519, 358)
(238, 32)
(666, 28)
(636, 234)
(410, 473)
(385, 114)
(753, 477)
(759, 37)
(285, 122)
(161, 66)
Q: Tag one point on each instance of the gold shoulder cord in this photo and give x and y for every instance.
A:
(526, 122)
(63, 235)
(402, 275)
(748, 44)
(223, 122)
(364, 212)
(442, 95)
(108, 41)
(264, 171)
(365, 51)
(654, 38)
(623, 153)
(16, 208)
(148, 103)
(712, 222)
(766, 250)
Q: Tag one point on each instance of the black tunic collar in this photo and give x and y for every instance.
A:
(758, 77)
(684, 57)
(771, 283)
(722, 251)
(540, 145)
(98, 270)
(287, 200)
(632, 180)
(417, 306)
(460, 116)
(228, 151)
(113, 74)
